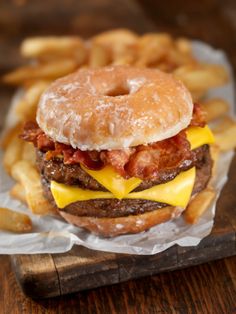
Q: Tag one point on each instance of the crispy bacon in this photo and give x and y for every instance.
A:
(117, 158)
(143, 161)
(75, 156)
(79, 156)
(30, 133)
(44, 142)
(151, 159)
(199, 116)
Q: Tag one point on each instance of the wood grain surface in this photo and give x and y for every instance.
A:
(208, 288)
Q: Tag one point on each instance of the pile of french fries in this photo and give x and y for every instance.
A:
(54, 57)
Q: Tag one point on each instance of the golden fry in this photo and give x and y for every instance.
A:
(9, 135)
(184, 46)
(222, 123)
(152, 48)
(226, 139)
(27, 106)
(45, 71)
(215, 154)
(215, 108)
(13, 152)
(99, 56)
(25, 173)
(119, 44)
(14, 221)
(51, 48)
(197, 95)
(198, 205)
(125, 59)
(28, 153)
(176, 58)
(18, 192)
(116, 38)
(201, 77)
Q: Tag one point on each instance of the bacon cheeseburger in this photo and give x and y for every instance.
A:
(120, 149)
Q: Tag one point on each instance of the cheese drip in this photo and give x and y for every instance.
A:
(176, 192)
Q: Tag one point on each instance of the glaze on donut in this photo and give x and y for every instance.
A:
(114, 107)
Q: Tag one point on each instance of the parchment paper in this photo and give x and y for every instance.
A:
(53, 235)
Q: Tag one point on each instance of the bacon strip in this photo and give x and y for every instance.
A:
(149, 160)
(143, 161)
(199, 116)
(117, 158)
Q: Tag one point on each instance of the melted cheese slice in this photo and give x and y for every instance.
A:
(113, 182)
(199, 136)
(176, 192)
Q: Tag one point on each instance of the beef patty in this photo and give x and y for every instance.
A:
(56, 170)
(125, 207)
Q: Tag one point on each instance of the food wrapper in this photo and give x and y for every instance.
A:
(52, 235)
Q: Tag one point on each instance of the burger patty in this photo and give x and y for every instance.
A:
(125, 207)
(73, 174)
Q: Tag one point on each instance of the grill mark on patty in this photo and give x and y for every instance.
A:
(56, 170)
(125, 207)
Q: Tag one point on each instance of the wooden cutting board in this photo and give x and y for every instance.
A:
(48, 275)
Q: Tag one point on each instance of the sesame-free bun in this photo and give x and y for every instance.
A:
(114, 107)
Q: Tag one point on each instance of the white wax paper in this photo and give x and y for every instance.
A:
(53, 235)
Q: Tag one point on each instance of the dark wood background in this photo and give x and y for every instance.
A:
(210, 288)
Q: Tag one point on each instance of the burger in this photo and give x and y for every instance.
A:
(120, 149)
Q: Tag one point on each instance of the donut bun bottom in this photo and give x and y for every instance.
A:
(110, 227)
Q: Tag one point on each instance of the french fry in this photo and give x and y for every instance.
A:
(201, 77)
(9, 135)
(198, 205)
(13, 152)
(197, 95)
(53, 47)
(125, 59)
(226, 139)
(27, 175)
(153, 48)
(14, 221)
(222, 124)
(116, 38)
(27, 106)
(184, 46)
(178, 58)
(99, 56)
(215, 108)
(215, 154)
(119, 43)
(44, 71)
(28, 153)
(18, 192)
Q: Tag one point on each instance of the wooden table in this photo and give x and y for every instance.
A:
(209, 288)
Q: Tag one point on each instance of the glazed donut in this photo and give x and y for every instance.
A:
(114, 107)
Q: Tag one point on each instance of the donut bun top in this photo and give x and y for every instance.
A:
(114, 107)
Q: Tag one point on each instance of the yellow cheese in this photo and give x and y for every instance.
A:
(176, 192)
(199, 136)
(66, 194)
(113, 182)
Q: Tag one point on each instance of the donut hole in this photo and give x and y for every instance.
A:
(118, 91)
